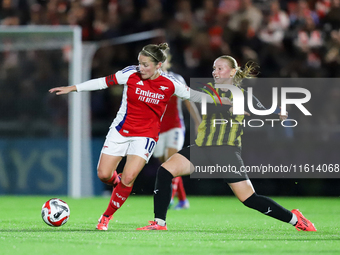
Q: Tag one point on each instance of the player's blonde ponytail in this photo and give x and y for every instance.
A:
(249, 70)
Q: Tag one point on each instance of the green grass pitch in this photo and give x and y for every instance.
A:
(212, 225)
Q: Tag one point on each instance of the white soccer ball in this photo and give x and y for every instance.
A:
(55, 212)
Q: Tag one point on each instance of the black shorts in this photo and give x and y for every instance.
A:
(216, 162)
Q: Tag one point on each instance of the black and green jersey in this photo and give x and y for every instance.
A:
(220, 127)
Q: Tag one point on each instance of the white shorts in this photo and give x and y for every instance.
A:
(118, 145)
(173, 138)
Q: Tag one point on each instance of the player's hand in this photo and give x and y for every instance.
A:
(63, 90)
(283, 117)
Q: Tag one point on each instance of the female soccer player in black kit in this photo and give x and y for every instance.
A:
(209, 144)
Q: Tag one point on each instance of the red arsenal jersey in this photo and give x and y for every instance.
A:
(144, 101)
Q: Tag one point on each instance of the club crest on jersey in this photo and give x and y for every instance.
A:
(163, 88)
(140, 83)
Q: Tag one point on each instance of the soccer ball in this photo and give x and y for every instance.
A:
(55, 212)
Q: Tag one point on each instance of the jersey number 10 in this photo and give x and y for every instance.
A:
(149, 146)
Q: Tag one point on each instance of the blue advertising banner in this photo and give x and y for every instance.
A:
(33, 166)
(39, 166)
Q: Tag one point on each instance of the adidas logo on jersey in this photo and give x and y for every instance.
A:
(140, 83)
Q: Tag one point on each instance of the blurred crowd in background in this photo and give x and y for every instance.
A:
(295, 38)
(288, 39)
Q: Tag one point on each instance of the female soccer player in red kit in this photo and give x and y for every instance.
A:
(134, 131)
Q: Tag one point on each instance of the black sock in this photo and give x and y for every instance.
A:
(162, 193)
(269, 207)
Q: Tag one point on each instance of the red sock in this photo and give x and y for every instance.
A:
(174, 187)
(119, 195)
(112, 179)
(180, 190)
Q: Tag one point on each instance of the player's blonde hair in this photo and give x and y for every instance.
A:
(249, 71)
(156, 52)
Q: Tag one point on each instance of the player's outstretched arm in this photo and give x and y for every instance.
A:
(63, 90)
(90, 85)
